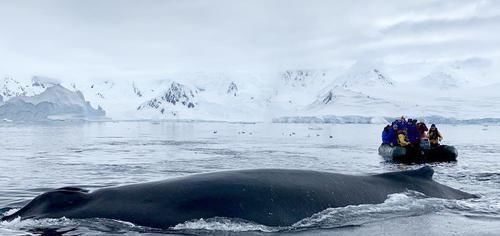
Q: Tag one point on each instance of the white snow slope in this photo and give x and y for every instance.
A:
(365, 90)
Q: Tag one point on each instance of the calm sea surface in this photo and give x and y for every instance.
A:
(37, 157)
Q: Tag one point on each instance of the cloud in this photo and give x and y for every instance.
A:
(86, 39)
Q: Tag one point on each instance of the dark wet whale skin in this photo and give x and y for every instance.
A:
(274, 197)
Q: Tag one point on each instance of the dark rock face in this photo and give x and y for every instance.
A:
(137, 91)
(177, 94)
(297, 78)
(382, 78)
(232, 89)
(12, 88)
(329, 97)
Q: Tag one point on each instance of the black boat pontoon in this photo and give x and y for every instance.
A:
(441, 153)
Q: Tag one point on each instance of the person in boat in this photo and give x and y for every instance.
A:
(413, 135)
(393, 134)
(424, 136)
(411, 149)
(401, 123)
(403, 138)
(386, 135)
(422, 129)
(435, 136)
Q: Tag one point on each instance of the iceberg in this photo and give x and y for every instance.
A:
(55, 103)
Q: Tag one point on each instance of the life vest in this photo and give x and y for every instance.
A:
(403, 140)
(435, 137)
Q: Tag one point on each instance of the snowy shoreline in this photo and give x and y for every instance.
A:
(382, 120)
(281, 120)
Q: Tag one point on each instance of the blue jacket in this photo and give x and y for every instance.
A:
(401, 124)
(413, 135)
(389, 137)
(386, 136)
(393, 134)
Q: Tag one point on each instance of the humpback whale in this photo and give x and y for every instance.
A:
(273, 197)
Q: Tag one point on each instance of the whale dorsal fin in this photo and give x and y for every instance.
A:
(425, 172)
(73, 189)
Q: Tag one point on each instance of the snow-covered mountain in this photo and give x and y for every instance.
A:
(369, 77)
(342, 101)
(363, 74)
(13, 88)
(442, 80)
(459, 74)
(363, 90)
(10, 87)
(176, 97)
(304, 78)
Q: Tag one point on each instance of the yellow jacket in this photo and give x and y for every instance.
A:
(436, 138)
(402, 140)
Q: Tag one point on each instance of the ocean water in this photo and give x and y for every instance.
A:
(35, 158)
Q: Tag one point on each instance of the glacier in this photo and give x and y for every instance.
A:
(362, 93)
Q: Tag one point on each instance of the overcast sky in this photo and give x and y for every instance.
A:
(97, 38)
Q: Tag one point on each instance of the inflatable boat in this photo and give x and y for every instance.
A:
(442, 153)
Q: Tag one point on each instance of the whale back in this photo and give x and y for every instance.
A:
(424, 173)
(420, 180)
(274, 197)
(52, 204)
(73, 189)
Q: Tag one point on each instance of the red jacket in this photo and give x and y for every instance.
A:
(422, 130)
